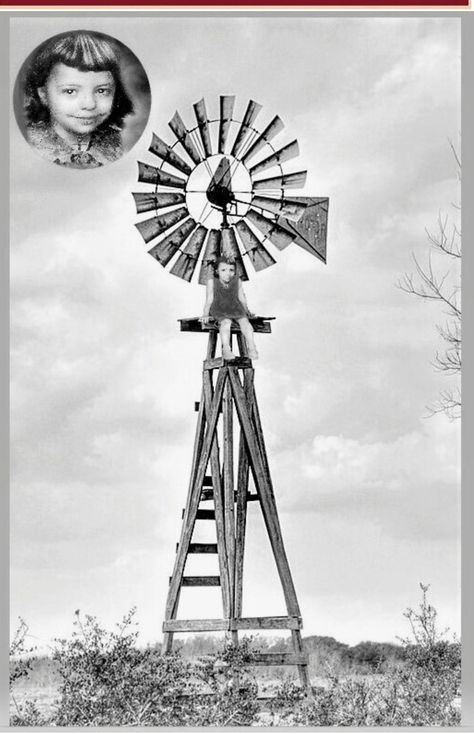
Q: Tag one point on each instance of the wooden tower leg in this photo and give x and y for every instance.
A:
(203, 447)
(250, 422)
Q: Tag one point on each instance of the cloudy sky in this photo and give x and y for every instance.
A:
(103, 383)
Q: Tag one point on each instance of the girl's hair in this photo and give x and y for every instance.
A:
(222, 259)
(82, 50)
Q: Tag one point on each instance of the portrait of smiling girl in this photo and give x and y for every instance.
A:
(75, 101)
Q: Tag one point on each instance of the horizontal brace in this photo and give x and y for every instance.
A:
(218, 362)
(261, 325)
(202, 548)
(195, 625)
(202, 514)
(216, 625)
(200, 581)
(266, 623)
(278, 658)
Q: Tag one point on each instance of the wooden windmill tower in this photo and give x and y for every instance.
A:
(219, 199)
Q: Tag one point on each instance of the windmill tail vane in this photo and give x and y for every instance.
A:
(221, 189)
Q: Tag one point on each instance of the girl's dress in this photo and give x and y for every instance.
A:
(103, 146)
(226, 303)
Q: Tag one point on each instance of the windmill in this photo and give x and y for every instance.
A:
(220, 189)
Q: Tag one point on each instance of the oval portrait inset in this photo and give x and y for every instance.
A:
(82, 99)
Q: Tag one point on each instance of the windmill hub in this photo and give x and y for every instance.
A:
(221, 183)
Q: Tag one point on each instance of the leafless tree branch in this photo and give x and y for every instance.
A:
(444, 288)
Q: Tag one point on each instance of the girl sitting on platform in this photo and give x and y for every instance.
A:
(225, 302)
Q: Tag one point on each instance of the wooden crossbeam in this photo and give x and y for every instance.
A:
(261, 325)
(278, 658)
(200, 581)
(217, 362)
(242, 623)
(202, 548)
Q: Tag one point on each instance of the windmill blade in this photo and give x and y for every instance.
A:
(185, 265)
(203, 124)
(280, 156)
(211, 253)
(226, 110)
(286, 207)
(286, 181)
(253, 108)
(166, 248)
(151, 228)
(146, 202)
(311, 230)
(150, 174)
(268, 134)
(167, 154)
(230, 250)
(182, 134)
(259, 256)
(279, 236)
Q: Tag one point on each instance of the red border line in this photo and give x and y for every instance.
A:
(213, 4)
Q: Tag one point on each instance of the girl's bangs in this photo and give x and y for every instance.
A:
(87, 53)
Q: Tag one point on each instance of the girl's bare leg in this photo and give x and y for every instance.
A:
(224, 331)
(247, 331)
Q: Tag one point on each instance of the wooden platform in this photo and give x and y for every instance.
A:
(261, 325)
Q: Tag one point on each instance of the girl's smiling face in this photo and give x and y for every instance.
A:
(225, 272)
(78, 101)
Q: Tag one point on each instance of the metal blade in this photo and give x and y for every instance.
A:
(185, 265)
(280, 156)
(311, 230)
(286, 207)
(230, 250)
(203, 124)
(268, 134)
(151, 228)
(182, 134)
(259, 256)
(287, 181)
(227, 108)
(164, 250)
(166, 153)
(146, 202)
(253, 108)
(211, 254)
(280, 237)
(150, 174)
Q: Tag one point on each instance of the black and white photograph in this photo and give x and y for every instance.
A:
(82, 99)
(235, 371)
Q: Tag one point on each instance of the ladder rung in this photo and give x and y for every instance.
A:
(203, 548)
(205, 515)
(201, 581)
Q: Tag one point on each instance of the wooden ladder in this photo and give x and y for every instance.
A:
(228, 391)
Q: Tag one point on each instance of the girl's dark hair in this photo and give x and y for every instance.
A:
(222, 259)
(82, 50)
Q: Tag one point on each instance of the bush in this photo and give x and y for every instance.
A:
(423, 691)
(21, 662)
